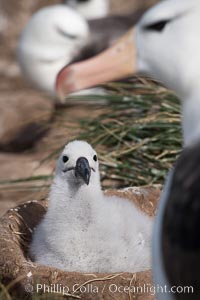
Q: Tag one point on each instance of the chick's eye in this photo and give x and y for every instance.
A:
(65, 158)
(158, 26)
(95, 158)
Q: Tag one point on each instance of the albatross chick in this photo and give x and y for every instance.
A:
(84, 230)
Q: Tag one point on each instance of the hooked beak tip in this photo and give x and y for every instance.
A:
(87, 181)
(65, 83)
(83, 170)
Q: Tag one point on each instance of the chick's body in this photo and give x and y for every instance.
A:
(86, 231)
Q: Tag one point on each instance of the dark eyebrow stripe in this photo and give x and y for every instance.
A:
(153, 26)
(64, 33)
(157, 26)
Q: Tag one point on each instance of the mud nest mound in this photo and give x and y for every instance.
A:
(23, 279)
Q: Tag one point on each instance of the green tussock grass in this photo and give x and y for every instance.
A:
(138, 138)
(137, 135)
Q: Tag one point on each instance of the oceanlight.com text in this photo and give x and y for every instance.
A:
(108, 288)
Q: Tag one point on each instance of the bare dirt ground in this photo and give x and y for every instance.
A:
(15, 166)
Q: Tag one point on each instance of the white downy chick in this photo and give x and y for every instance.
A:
(84, 230)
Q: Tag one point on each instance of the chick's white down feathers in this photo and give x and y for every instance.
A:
(85, 231)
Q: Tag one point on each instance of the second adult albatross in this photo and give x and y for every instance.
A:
(57, 35)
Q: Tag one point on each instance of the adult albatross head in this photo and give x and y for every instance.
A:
(52, 38)
(165, 44)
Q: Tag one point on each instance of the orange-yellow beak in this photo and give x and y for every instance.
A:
(117, 62)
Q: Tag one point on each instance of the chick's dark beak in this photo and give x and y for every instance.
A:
(83, 169)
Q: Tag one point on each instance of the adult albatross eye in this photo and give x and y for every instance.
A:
(95, 158)
(158, 26)
(65, 158)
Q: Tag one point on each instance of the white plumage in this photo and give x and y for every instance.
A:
(172, 56)
(51, 39)
(85, 231)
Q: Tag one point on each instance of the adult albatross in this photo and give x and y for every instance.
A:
(57, 35)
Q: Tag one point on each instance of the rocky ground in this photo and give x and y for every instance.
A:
(28, 118)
